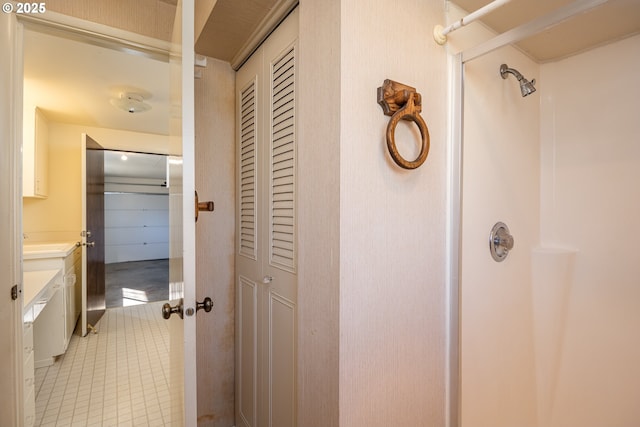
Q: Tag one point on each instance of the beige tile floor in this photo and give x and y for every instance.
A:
(117, 377)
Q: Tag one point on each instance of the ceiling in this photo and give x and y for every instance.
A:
(611, 21)
(230, 25)
(73, 82)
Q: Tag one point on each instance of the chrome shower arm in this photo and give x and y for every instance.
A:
(504, 70)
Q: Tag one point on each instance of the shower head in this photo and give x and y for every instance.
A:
(526, 87)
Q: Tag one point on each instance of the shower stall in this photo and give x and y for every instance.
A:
(547, 333)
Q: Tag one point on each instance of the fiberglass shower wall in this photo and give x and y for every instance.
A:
(551, 336)
(501, 166)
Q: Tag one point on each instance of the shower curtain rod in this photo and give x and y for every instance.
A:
(532, 27)
(440, 33)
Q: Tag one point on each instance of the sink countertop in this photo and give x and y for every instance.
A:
(47, 250)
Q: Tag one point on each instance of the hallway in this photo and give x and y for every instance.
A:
(117, 377)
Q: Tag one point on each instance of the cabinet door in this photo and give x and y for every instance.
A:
(36, 155)
(266, 230)
(41, 184)
(49, 329)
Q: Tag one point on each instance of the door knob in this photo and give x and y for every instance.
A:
(206, 305)
(167, 310)
(202, 206)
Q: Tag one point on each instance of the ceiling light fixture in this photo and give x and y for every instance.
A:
(131, 103)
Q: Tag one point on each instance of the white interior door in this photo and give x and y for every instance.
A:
(181, 220)
(266, 260)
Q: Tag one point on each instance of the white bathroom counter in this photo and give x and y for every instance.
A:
(38, 286)
(48, 250)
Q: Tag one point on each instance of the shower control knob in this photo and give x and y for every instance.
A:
(503, 239)
(500, 241)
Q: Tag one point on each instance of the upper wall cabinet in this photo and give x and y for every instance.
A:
(35, 156)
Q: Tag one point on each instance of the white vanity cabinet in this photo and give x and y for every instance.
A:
(66, 257)
(35, 155)
(51, 294)
(42, 329)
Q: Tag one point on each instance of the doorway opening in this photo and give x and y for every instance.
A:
(62, 74)
(136, 228)
(73, 93)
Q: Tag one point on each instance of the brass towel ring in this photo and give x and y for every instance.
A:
(402, 102)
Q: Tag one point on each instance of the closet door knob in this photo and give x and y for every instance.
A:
(202, 206)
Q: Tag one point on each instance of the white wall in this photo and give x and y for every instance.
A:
(215, 242)
(58, 217)
(591, 202)
(372, 257)
(319, 214)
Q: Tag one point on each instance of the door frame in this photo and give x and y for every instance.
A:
(12, 380)
(109, 37)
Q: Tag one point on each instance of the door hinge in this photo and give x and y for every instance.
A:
(14, 292)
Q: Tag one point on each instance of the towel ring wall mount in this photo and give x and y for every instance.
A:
(402, 102)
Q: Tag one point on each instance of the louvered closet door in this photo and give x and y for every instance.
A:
(248, 252)
(267, 247)
(279, 304)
